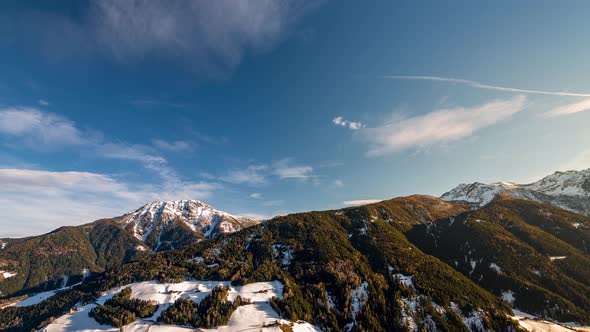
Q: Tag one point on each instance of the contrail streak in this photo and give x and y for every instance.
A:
(478, 85)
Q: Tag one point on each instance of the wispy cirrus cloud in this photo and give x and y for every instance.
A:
(213, 36)
(252, 175)
(40, 130)
(569, 109)
(263, 173)
(478, 85)
(285, 169)
(439, 126)
(173, 146)
(35, 127)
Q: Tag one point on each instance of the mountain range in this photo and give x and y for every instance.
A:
(460, 263)
(568, 190)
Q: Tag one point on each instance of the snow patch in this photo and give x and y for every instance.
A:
(473, 264)
(284, 252)
(330, 300)
(197, 260)
(85, 273)
(64, 282)
(535, 324)
(508, 296)
(359, 297)
(35, 299)
(554, 258)
(401, 278)
(474, 321)
(408, 310)
(496, 268)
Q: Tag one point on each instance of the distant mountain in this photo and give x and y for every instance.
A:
(164, 225)
(61, 257)
(569, 190)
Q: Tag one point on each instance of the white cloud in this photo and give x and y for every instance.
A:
(174, 146)
(439, 126)
(568, 109)
(35, 127)
(39, 130)
(361, 202)
(43, 102)
(253, 175)
(44, 130)
(478, 85)
(285, 170)
(338, 183)
(256, 195)
(35, 201)
(19, 179)
(259, 174)
(339, 121)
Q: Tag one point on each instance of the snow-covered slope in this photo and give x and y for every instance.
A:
(160, 223)
(569, 190)
(258, 315)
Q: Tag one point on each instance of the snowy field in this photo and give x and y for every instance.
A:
(251, 317)
(34, 299)
(532, 323)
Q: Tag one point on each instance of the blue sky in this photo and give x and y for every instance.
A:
(264, 107)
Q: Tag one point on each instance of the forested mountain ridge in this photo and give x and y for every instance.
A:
(349, 269)
(62, 257)
(534, 255)
(410, 263)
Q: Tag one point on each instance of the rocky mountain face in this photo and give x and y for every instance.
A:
(60, 258)
(164, 225)
(569, 190)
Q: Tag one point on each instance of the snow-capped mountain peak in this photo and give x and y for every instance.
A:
(571, 183)
(155, 221)
(569, 190)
